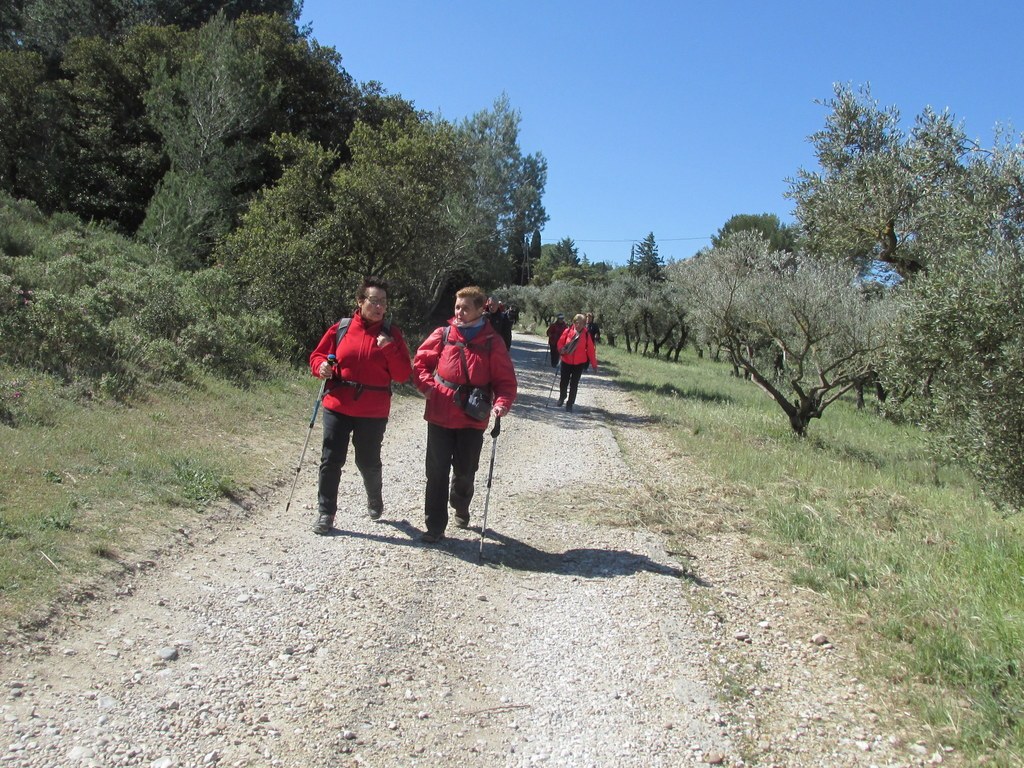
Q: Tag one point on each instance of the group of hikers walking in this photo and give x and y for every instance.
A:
(463, 369)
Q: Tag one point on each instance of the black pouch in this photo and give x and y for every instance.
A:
(476, 403)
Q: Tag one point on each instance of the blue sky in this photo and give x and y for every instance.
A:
(670, 117)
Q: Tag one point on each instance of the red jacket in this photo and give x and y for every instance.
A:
(489, 366)
(584, 351)
(361, 361)
(555, 331)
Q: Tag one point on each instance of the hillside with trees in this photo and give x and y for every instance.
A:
(179, 181)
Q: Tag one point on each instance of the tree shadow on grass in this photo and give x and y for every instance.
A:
(671, 390)
(506, 552)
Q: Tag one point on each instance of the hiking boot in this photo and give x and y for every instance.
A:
(374, 513)
(461, 518)
(324, 525)
(431, 538)
(561, 403)
(569, 407)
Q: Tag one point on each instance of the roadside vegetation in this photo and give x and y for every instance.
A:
(91, 492)
(926, 569)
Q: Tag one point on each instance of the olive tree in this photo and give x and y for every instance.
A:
(966, 328)
(947, 218)
(801, 330)
(883, 199)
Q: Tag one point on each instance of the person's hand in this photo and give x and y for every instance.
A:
(499, 411)
(325, 370)
(383, 340)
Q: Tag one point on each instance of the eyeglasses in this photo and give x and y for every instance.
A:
(373, 301)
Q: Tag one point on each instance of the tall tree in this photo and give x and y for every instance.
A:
(780, 237)
(644, 261)
(508, 188)
(118, 155)
(945, 218)
(309, 239)
(210, 110)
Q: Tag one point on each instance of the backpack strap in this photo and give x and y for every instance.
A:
(343, 325)
(461, 346)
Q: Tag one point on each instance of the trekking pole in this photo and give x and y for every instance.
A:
(554, 378)
(316, 407)
(490, 474)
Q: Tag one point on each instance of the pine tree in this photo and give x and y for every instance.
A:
(645, 262)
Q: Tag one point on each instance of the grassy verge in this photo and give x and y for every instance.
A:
(930, 573)
(86, 491)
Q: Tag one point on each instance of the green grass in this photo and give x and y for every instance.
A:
(931, 573)
(87, 490)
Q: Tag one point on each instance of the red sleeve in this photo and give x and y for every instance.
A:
(323, 349)
(503, 376)
(397, 354)
(564, 338)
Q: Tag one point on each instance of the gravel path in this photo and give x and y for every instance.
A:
(575, 642)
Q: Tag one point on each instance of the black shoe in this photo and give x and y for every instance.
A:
(431, 538)
(461, 519)
(324, 525)
(569, 407)
(561, 403)
(374, 513)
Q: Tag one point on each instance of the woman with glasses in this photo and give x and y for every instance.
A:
(370, 354)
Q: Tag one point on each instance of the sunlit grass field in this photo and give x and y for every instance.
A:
(933, 573)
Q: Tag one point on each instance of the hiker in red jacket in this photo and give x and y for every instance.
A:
(576, 348)
(555, 331)
(465, 353)
(357, 400)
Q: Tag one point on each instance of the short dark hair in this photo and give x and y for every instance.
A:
(371, 282)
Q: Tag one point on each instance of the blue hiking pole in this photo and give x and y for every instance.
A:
(316, 407)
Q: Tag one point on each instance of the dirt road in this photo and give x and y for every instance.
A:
(577, 641)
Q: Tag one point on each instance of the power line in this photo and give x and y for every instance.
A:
(639, 239)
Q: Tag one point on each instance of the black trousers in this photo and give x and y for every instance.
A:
(453, 453)
(554, 355)
(366, 435)
(570, 380)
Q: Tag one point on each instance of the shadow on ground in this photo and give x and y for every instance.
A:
(504, 551)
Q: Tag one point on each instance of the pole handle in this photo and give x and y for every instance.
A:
(497, 427)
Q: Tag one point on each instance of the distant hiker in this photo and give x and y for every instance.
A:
(499, 320)
(465, 371)
(576, 348)
(371, 354)
(594, 328)
(555, 331)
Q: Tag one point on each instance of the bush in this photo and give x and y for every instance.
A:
(108, 318)
(31, 398)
